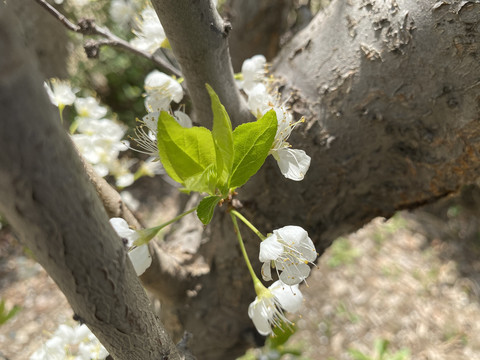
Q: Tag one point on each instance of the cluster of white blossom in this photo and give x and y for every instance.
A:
(139, 255)
(123, 11)
(71, 343)
(289, 251)
(293, 163)
(98, 139)
(77, 3)
(160, 91)
(149, 32)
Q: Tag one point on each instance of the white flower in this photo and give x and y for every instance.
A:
(89, 108)
(122, 11)
(146, 133)
(100, 142)
(259, 100)
(161, 90)
(120, 168)
(253, 71)
(289, 250)
(152, 166)
(139, 255)
(60, 92)
(293, 163)
(267, 309)
(150, 33)
(130, 200)
(67, 342)
(183, 119)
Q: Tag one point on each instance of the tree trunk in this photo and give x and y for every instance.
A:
(49, 201)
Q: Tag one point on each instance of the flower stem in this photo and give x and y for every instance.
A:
(147, 234)
(244, 252)
(248, 223)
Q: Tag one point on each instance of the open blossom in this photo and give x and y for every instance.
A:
(289, 250)
(150, 33)
(76, 343)
(161, 89)
(146, 133)
(100, 142)
(267, 308)
(253, 71)
(293, 163)
(122, 11)
(90, 108)
(60, 92)
(139, 255)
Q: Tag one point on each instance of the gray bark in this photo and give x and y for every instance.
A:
(257, 27)
(49, 201)
(44, 36)
(198, 37)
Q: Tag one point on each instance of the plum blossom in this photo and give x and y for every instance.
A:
(60, 92)
(161, 89)
(150, 33)
(100, 142)
(75, 343)
(146, 133)
(122, 11)
(293, 163)
(289, 250)
(89, 108)
(253, 71)
(267, 308)
(139, 255)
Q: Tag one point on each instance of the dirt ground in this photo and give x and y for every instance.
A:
(413, 280)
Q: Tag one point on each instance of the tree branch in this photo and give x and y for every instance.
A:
(50, 203)
(87, 27)
(198, 37)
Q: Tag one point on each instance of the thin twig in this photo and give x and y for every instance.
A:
(92, 47)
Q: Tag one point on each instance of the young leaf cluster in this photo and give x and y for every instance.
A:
(214, 162)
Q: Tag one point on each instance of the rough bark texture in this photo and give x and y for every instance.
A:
(390, 90)
(257, 26)
(391, 94)
(47, 198)
(45, 36)
(198, 37)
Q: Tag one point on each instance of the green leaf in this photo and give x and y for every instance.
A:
(184, 152)
(7, 315)
(223, 139)
(280, 335)
(252, 142)
(357, 355)
(204, 181)
(206, 208)
(381, 347)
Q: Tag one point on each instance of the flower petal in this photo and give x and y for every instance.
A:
(123, 230)
(270, 249)
(266, 271)
(291, 235)
(140, 258)
(293, 272)
(289, 297)
(293, 163)
(260, 317)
